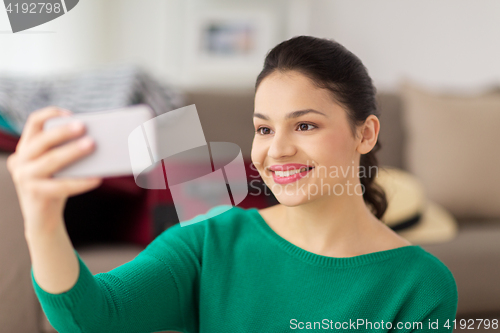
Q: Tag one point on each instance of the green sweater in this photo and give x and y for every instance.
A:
(232, 273)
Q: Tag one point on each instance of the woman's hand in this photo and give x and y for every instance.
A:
(41, 197)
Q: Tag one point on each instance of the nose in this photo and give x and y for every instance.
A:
(281, 146)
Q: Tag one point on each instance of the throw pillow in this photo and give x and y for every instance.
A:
(452, 147)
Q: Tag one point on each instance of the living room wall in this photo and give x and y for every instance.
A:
(449, 43)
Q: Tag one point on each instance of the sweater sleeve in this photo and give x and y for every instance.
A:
(441, 316)
(156, 291)
(442, 302)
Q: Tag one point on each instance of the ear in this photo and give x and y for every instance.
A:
(368, 134)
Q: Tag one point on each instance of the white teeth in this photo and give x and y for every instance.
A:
(289, 172)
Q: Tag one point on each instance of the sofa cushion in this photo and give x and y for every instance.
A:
(226, 116)
(473, 257)
(452, 145)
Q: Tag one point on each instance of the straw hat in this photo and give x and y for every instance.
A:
(409, 213)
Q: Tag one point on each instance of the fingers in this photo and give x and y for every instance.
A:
(45, 140)
(67, 186)
(35, 121)
(58, 158)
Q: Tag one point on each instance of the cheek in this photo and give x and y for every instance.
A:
(252, 157)
(257, 155)
(331, 149)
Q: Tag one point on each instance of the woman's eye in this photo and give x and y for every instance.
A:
(260, 132)
(303, 127)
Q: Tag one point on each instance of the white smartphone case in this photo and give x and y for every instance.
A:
(110, 131)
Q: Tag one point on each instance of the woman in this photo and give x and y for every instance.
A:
(319, 260)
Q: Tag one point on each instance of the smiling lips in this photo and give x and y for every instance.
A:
(289, 173)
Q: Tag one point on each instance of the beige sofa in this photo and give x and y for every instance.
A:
(473, 256)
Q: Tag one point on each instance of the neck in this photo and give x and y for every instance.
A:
(332, 225)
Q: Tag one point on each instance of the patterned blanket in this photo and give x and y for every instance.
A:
(88, 91)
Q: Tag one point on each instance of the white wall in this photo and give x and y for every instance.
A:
(72, 41)
(445, 43)
(149, 33)
(146, 33)
(450, 43)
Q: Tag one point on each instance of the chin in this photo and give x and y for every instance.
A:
(291, 199)
(291, 203)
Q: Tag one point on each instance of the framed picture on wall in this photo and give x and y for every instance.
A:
(227, 47)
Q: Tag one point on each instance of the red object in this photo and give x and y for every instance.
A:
(8, 142)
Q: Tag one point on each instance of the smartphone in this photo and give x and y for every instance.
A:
(110, 130)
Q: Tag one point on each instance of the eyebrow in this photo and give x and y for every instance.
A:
(294, 114)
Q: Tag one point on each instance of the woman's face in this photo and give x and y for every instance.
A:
(321, 139)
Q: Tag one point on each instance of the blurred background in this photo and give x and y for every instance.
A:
(446, 43)
(435, 65)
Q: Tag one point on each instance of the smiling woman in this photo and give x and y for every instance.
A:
(320, 259)
(315, 111)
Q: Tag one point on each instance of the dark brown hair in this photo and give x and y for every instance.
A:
(331, 66)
